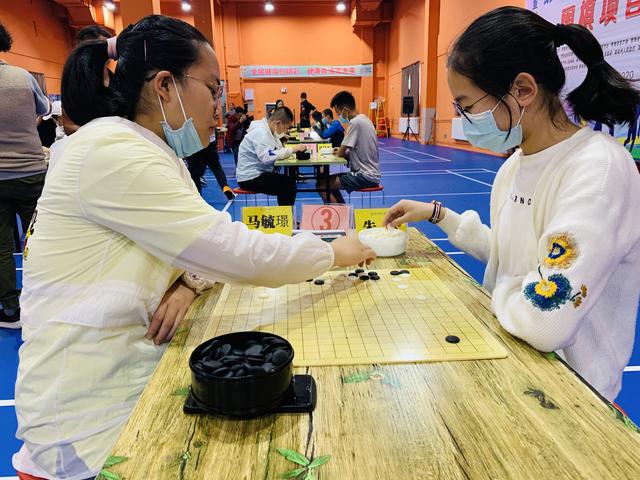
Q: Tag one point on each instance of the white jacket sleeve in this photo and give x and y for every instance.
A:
(468, 233)
(145, 199)
(268, 153)
(576, 258)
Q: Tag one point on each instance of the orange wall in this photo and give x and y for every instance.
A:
(293, 35)
(406, 46)
(454, 18)
(319, 93)
(173, 9)
(41, 40)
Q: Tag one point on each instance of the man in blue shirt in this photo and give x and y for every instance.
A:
(333, 128)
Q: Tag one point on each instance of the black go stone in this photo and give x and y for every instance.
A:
(221, 372)
(359, 271)
(211, 364)
(452, 339)
(254, 350)
(280, 357)
(319, 282)
(394, 272)
(256, 358)
(364, 278)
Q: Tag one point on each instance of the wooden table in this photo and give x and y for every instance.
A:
(291, 166)
(524, 417)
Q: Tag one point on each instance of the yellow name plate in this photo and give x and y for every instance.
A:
(371, 218)
(269, 219)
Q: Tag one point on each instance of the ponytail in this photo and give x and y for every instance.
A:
(5, 39)
(508, 41)
(604, 95)
(84, 94)
(153, 44)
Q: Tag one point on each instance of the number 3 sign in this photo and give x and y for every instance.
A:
(326, 217)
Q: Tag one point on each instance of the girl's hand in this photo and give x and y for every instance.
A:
(348, 251)
(408, 211)
(170, 312)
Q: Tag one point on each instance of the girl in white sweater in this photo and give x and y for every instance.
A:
(563, 249)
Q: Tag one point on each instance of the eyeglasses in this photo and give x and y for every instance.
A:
(462, 111)
(215, 90)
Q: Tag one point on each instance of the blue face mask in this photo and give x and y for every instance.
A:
(185, 141)
(483, 132)
(325, 121)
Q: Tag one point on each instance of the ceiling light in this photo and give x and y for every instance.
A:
(186, 6)
(341, 7)
(269, 7)
(110, 6)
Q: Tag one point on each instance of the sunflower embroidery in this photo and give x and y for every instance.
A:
(551, 293)
(562, 251)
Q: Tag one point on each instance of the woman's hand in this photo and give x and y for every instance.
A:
(408, 211)
(170, 312)
(348, 251)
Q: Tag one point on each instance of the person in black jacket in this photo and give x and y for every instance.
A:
(306, 109)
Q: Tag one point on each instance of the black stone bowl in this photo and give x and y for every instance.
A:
(303, 155)
(241, 397)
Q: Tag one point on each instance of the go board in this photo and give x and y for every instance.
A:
(399, 318)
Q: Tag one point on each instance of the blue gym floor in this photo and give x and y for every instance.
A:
(461, 180)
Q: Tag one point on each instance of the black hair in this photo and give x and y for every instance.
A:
(317, 116)
(328, 113)
(284, 114)
(508, 41)
(154, 43)
(303, 95)
(92, 32)
(343, 99)
(5, 39)
(240, 110)
(278, 101)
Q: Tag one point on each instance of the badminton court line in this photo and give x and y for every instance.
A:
(469, 178)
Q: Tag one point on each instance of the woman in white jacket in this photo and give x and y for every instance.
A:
(563, 249)
(117, 224)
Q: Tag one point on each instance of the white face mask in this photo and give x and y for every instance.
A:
(482, 131)
(185, 140)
